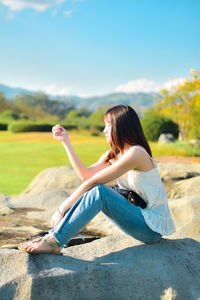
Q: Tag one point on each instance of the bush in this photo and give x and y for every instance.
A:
(68, 126)
(9, 115)
(3, 126)
(29, 127)
(97, 121)
(154, 125)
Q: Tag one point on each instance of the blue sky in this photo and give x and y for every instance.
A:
(95, 47)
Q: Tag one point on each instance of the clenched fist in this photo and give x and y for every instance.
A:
(59, 133)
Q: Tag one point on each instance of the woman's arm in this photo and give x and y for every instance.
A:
(125, 163)
(82, 171)
(130, 160)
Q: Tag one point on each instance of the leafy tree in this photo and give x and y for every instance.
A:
(3, 103)
(34, 113)
(84, 111)
(45, 104)
(76, 119)
(155, 124)
(182, 105)
(97, 118)
(73, 114)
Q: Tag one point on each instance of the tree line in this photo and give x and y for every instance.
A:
(177, 111)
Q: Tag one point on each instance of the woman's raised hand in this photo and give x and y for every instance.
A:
(59, 133)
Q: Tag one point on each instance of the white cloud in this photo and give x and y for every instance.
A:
(53, 89)
(139, 85)
(17, 5)
(172, 83)
(67, 13)
(147, 86)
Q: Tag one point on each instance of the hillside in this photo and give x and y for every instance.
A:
(139, 101)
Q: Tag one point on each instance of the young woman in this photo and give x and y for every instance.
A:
(129, 160)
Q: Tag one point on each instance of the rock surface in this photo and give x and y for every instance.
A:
(114, 267)
(185, 213)
(187, 187)
(111, 268)
(178, 171)
(166, 138)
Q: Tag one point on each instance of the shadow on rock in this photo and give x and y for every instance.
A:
(110, 268)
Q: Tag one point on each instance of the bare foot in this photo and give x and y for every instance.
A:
(46, 244)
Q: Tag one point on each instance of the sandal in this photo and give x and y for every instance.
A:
(52, 251)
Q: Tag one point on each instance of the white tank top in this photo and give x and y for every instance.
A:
(150, 187)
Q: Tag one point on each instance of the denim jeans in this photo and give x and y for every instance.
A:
(115, 206)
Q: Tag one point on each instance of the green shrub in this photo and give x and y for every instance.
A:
(29, 127)
(9, 115)
(68, 126)
(3, 126)
(73, 114)
(97, 118)
(154, 125)
(97, 122)
(83, 123)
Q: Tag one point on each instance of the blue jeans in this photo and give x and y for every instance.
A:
(115, 206)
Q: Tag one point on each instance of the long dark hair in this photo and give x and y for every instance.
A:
(125, 129)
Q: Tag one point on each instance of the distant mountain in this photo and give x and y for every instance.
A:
(139, 101)
(10, 92)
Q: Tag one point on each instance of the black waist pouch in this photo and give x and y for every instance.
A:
(132, 197)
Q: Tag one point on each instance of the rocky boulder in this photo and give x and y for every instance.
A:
(114, 267)
(175, 172)
(165, 138)
(110, 268)
(183, 188)
(178, 171)
(185, 213)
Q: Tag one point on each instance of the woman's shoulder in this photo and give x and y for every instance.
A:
(141, 158)
(136, 149)
(139, 150)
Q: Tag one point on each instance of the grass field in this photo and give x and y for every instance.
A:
(24, 155)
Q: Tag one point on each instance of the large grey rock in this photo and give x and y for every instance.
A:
(166, 138)
(46, 202)
(185, 213)
(115, 267)
(178, 171)
(183, 188)
(59, 178)
(47, 191)
(110, 268)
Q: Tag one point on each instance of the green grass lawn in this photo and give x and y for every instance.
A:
(24, 155)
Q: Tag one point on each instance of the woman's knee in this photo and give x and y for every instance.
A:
(98, 191)
(99, 188)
